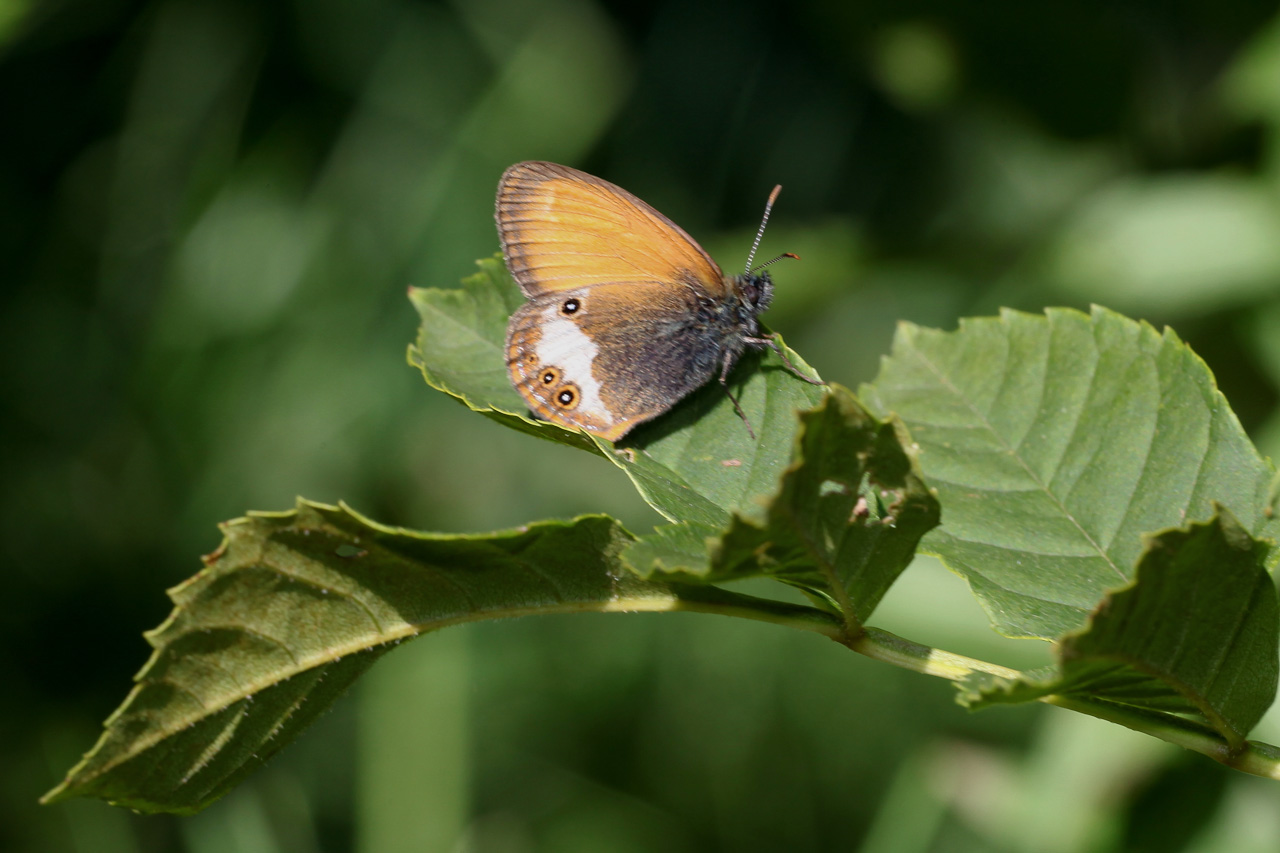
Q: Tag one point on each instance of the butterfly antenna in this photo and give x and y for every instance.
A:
(768, 206)
(791, 255)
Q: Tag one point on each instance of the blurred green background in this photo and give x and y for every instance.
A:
(210, 211)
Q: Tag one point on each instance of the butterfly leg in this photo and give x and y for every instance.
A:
(724, 383)
(772, 343)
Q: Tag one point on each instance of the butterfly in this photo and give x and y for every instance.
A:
(627, 314)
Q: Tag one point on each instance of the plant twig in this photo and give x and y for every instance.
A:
(1258, 759)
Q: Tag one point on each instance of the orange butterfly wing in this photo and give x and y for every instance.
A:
(562, 229)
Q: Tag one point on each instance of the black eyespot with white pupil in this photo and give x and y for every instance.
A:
(567, 397)
(570, 306)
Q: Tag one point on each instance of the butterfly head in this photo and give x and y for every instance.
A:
(755, 289)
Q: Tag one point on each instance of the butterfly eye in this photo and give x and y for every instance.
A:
(567, 397)
(570, 306)
(549, 376)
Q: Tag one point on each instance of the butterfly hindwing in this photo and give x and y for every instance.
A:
(606, 357)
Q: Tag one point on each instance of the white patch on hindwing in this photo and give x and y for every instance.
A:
(565, 346)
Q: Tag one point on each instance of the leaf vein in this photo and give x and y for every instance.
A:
(955, 392)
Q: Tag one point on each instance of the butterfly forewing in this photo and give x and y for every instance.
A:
(563, 229)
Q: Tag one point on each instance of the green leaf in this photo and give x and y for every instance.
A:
(843, 524)
(677, 549)
(293, 607)
(1055, 442)
(695, 463)
(698, 463)
(1197, 631)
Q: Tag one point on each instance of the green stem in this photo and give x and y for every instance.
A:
(890, 648)
(711, 599)
(1259, 759)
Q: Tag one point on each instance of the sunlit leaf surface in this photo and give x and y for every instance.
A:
(1055, 442)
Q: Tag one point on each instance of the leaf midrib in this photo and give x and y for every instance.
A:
(967, 404)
